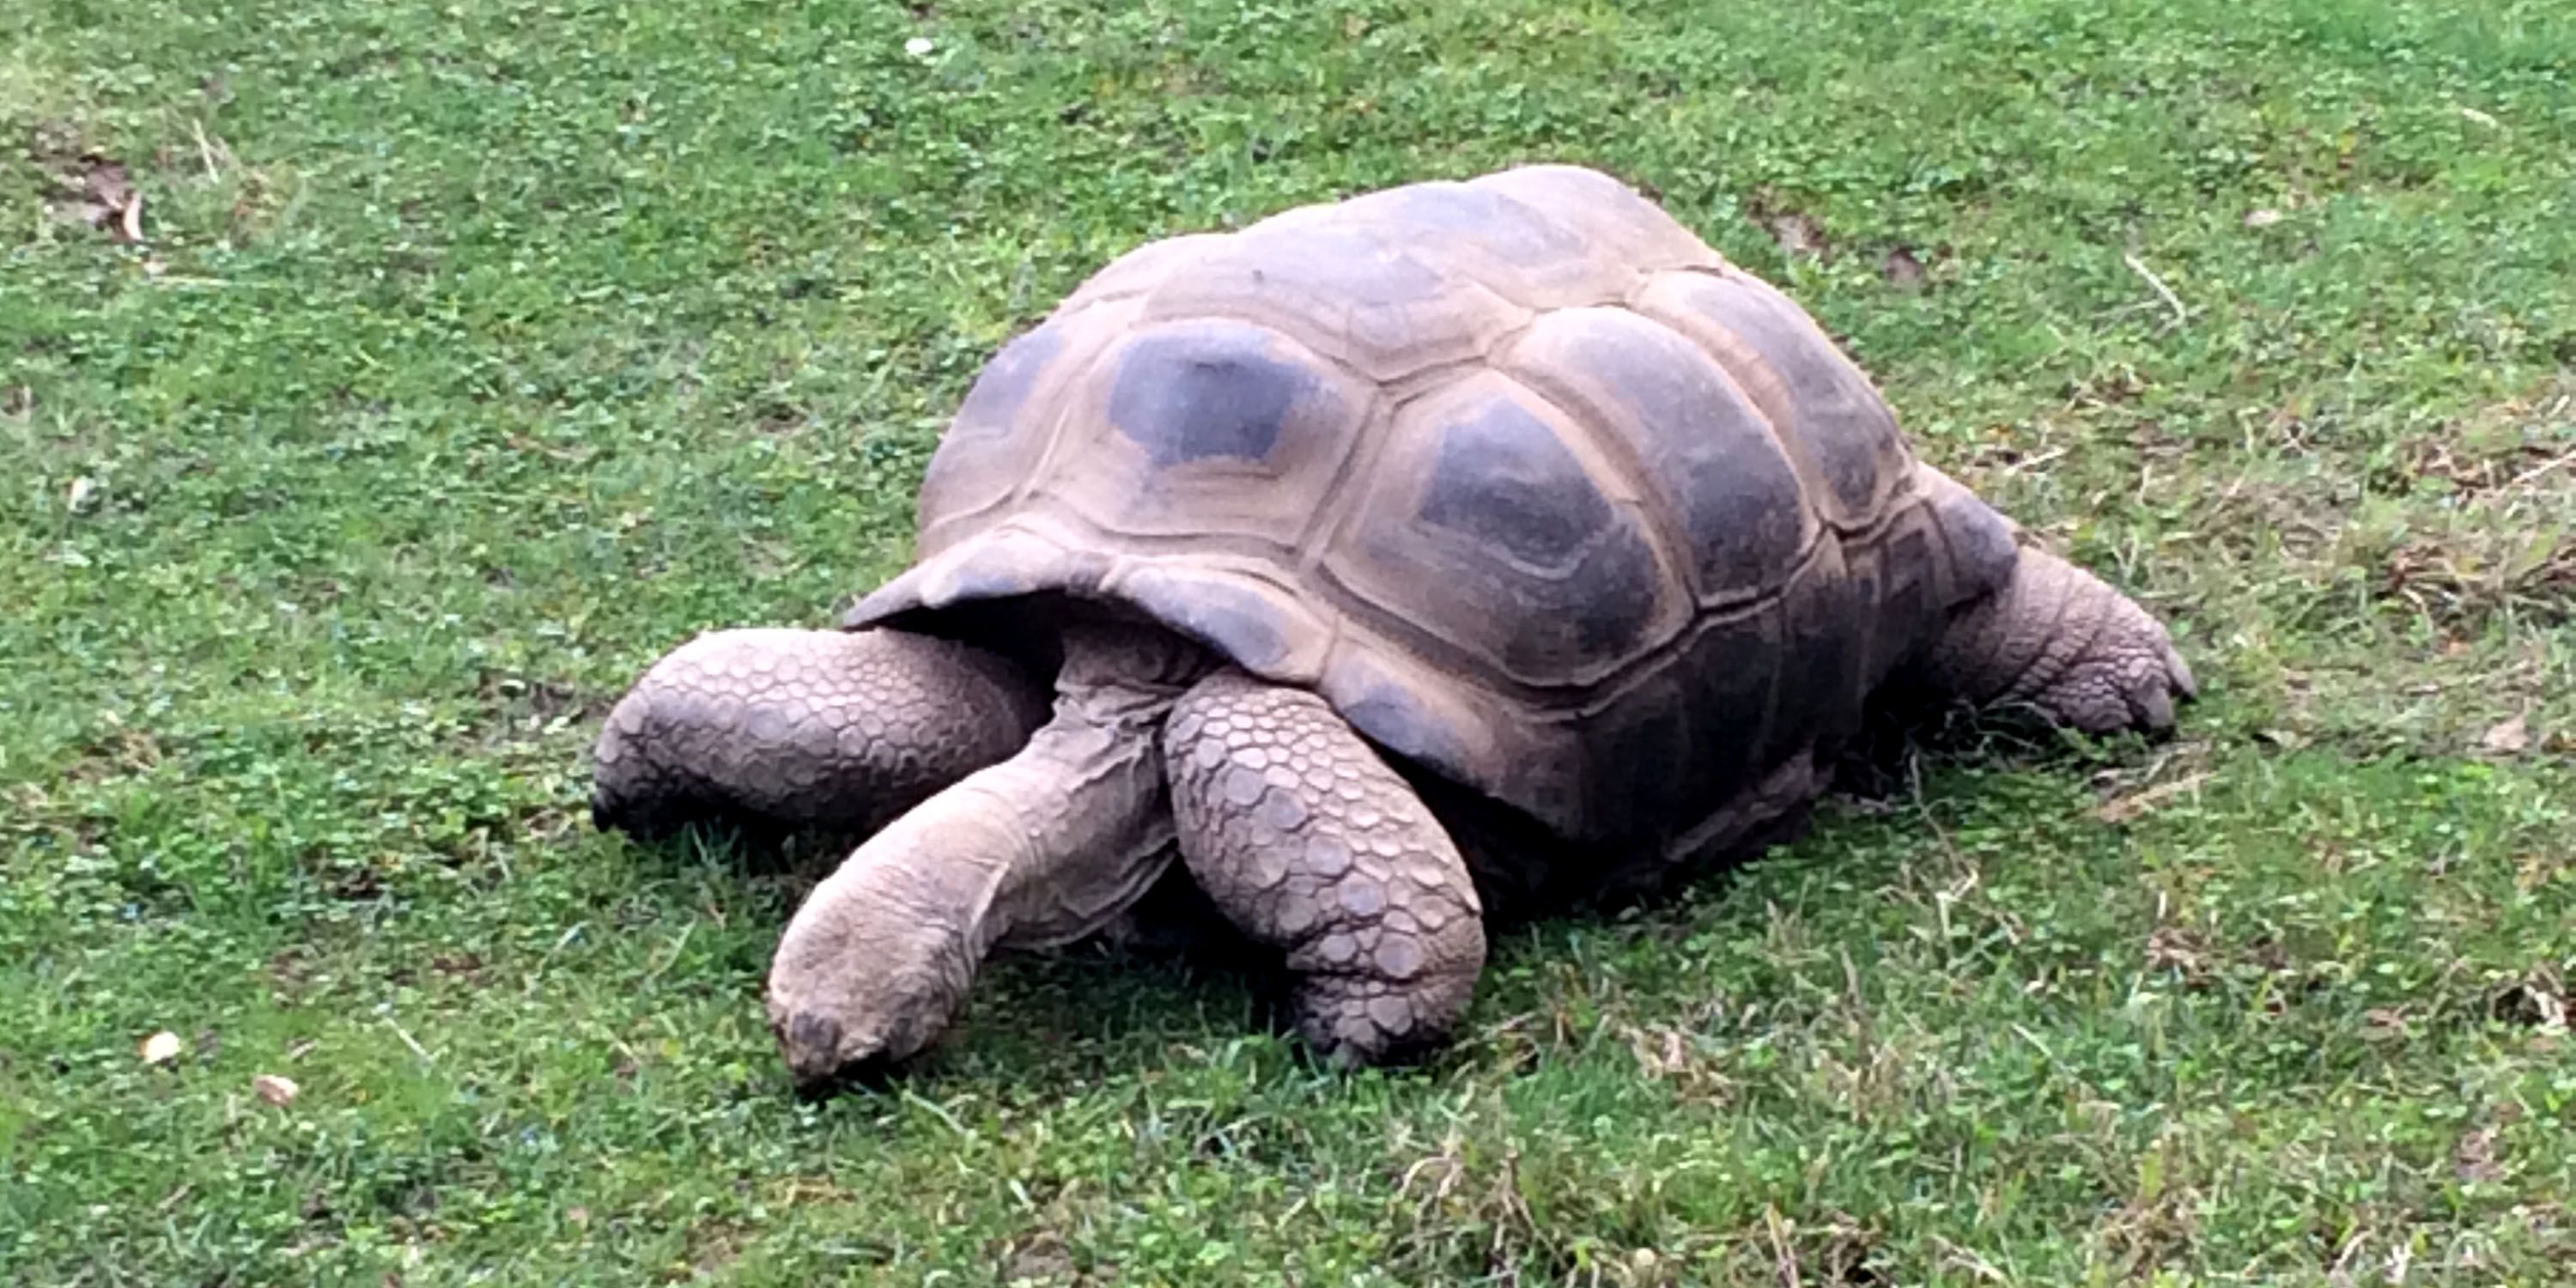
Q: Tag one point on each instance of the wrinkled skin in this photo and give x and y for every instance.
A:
(1044, 848)
(1009, 833)
(2060, 643)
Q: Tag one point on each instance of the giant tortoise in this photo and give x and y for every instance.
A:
(1457, 542)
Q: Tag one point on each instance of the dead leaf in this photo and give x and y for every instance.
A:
(276, 1090)
(1902, 269)
(100, 193)
(2264, 217)
(2382, 1024)
(2474, 1160)
(2535, 1002)
(106, 182)
(2179, 950)
(160, 1048)
(1797, 234)
(1040, 1255)
(2122, 809)
(2509, 738)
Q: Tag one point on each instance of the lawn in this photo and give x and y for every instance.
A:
(476, 353)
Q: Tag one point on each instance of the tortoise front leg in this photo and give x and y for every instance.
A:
(792, 729)
(1311, 844)
(2057, 639)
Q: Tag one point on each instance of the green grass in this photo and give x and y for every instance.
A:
(480, 352)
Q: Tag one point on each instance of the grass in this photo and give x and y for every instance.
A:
(479, 352)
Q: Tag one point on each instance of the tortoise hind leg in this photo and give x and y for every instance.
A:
(789, 730)
(1312, 845)
(2057, 639)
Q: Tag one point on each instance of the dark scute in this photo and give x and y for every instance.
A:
(1204, 391)
(1004, 384)
(1687, 741)
(1839, 416)
(1503, 481)
(1905, 612)
(1702, 441)
(1731, 669)
(1825, 627)
(1643, 769)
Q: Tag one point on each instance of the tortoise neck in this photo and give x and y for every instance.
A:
(1042, 849)
(1124, 670)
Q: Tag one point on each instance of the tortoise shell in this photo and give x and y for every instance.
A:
(1538, 491)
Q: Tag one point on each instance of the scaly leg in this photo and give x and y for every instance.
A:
(1311, 844)
(2057, 639)
(791, 729)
